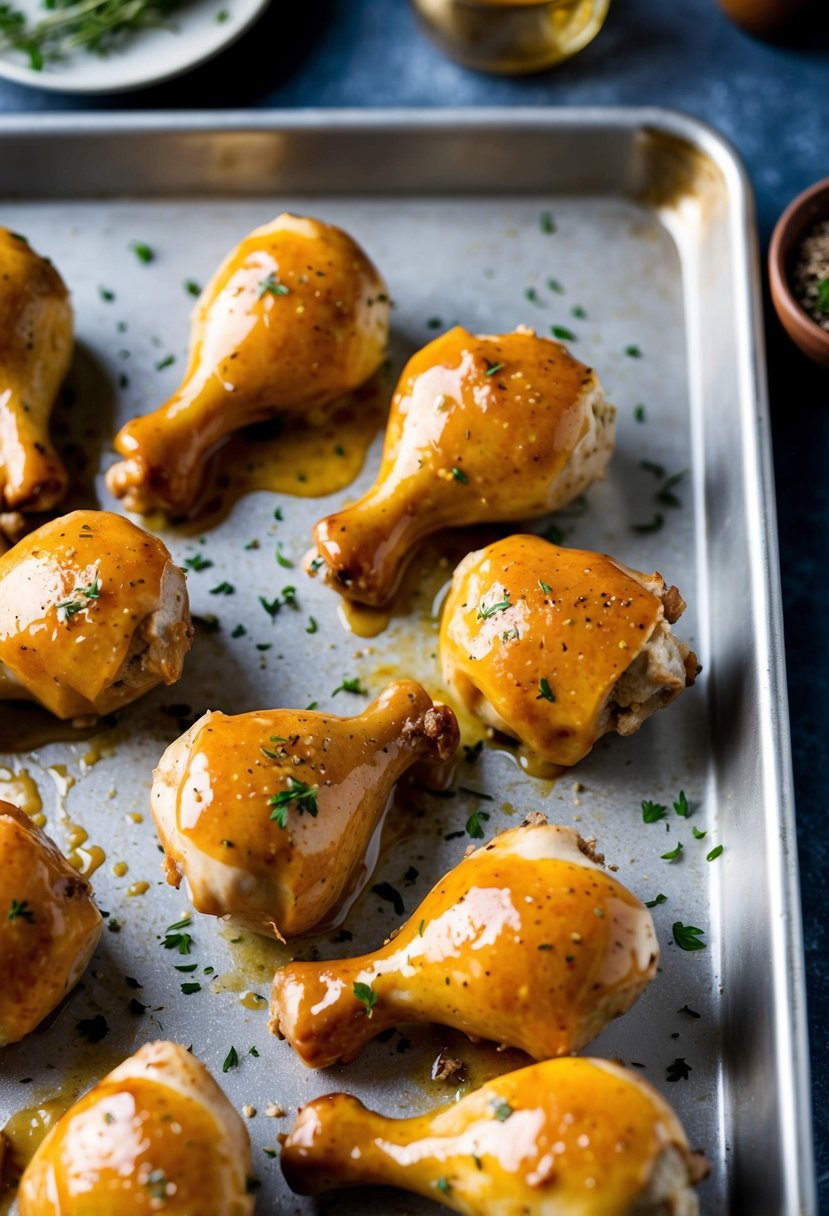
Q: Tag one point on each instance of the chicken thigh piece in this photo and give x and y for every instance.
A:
(482, 428)
(269, 816)
(155, 1135)
(49, 925)
(36, 343)
(575, 1137)
(527, 942)
(294, 318)
(93, 614)
(556, 647)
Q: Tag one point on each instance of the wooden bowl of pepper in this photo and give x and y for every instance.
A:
(799, 271)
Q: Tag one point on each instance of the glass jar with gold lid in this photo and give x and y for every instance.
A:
(512, 36)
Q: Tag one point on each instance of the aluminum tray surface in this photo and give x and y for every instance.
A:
(648, 262)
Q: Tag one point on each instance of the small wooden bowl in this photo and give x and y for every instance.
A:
(795, 222)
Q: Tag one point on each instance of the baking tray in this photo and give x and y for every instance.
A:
(654, 240)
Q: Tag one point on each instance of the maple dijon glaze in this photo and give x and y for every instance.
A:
(49, 925)
(155, 1135)
(481, 428)
(36, 342)
(575, 1137)
(557, 646)
(295, 317)
(251, 852)
(526, 942)
(93, 613)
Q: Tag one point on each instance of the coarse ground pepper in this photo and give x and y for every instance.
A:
(810, 274)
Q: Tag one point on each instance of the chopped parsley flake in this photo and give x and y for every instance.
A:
(20, 910)
(639, 413)
(231, 1060)
(673, 854)
(545, 587)
(366, 995)
(351, 685)
(502, 1110)
(658, 899)
(197, 562)
(492, 368)
(687, 937)
(189, 988)
(142, 252)
(239, 632)
(485, 611)
(678, 1071)
(699, 834)
(282, 560)
(633, 352)
(303, 796)
(272, 286)
(191, 287)
(443, 1185)
(562, 333)
(715, 853)
(681, 806)
(545, 692)
(223, 588)
(652, 812)
(312, 625)
(474, 826)
(546, 223)
(459, 474)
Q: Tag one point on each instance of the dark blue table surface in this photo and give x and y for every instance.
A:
(772, 101)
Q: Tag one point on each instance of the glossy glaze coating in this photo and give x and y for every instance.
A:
(572, 1137)
(524, 611)
(527, 942)
(93, 613)
(155, 1135)
(481, 428)
(213, 794)
(295, 317)
(35, 352)
(49, 925)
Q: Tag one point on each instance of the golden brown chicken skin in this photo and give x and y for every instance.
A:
(558, 646)
(269, 816)
(563, 1138)
(295, 317)
(155, 1135)
(93, 613)
(36, 343)
(49, 925)
(527, 942)
(481, 428)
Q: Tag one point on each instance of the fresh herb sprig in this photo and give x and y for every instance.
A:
(97, 26)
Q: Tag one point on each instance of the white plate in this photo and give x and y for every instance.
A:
(197, 33)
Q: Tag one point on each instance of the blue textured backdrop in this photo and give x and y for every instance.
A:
(773, 103)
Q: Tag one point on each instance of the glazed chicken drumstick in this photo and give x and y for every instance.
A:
(269, 816)
(49, 925)
(294, 318)
(481, 428)
(36, 343)
(155, 1135)
(527, 942)
(93, 613)
(564, 1138)
(556, 647)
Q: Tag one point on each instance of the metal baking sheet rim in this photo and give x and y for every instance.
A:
(787, 963)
